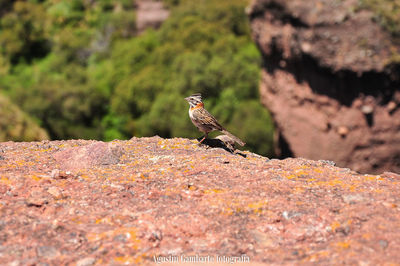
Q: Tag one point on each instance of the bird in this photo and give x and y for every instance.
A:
(204, 121)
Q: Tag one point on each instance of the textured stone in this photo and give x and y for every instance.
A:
(95, 154)
(328, 82)
(174, 197)
(86, 262)
(150, 14)
(47, 251)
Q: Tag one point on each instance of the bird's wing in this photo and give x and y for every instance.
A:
(205, 118)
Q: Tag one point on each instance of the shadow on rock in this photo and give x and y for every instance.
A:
(223, 142)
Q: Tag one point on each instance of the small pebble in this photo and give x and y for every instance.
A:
(86, 261)
(47, 251)
(383, 243)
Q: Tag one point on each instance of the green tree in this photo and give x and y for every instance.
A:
(78, 68)
(203, 47)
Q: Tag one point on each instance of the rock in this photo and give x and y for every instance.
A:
(150, 14)
(86, 262)
(326, 68)
(263, 239)
(36, 202)
(391, 175)
(47, 251)
(367, 109)
(55, 192)
(15, 263)
(37, 198)
(391, 106)
(383, 243)
(96, 154)
(327, 162)
(343, 131)
(172, 197)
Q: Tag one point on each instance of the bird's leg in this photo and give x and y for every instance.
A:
(205, 136)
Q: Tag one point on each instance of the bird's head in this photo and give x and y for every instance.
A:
(194, 99)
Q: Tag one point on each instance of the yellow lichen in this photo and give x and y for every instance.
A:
(212, 191)
(35, 177)
(335, 225)
(316, 256)
(366, 236)
(343, 245)
(257, 206)
(130, 233)
(5, 180)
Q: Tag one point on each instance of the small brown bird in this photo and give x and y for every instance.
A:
(204, 121)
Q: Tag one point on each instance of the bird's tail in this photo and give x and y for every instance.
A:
(239, 141)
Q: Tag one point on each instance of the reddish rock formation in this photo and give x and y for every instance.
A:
(127, 202)
(328, 82)
(150, 13)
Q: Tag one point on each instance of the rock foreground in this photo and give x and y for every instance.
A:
(125, 202)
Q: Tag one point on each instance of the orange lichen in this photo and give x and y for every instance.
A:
(42, 150)
(5, 180)
(343, 245)
(212, 191)
(227, 211)
(366, 236)
(124, 260)
(76, 220)
(335, 225)
(301, 173)
(352, 188)
(144, 176)
(129, 232)
(84, 176)
(317, 256)
(192, 187)
(257, 207)
(372, 177)
(35, 177)
(317, 170)
(127, 179)
(241, 206)
(130, 260)
(104, 220)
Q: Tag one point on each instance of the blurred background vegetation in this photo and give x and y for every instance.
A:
(78, 69)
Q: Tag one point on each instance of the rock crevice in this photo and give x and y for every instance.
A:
(329, 82)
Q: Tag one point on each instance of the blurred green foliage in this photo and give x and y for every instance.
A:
(50, 63)
(17, 125)
(79, 69)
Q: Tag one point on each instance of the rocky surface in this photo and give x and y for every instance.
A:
(124, 202)
(330, 82)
